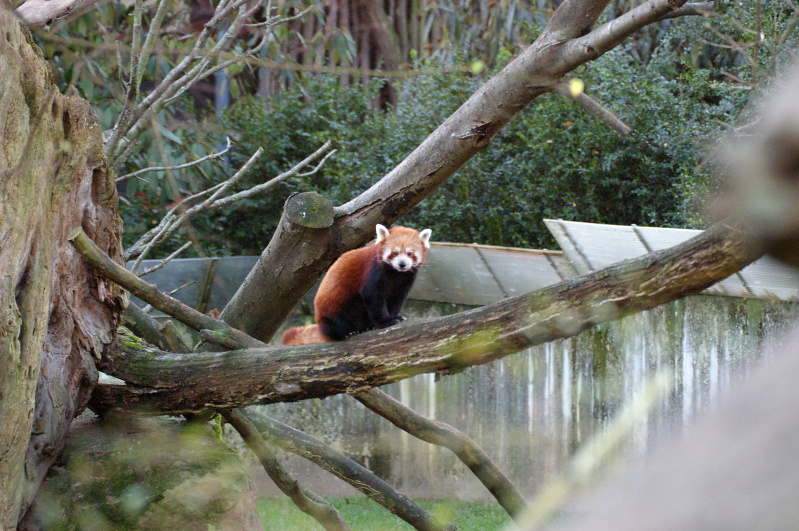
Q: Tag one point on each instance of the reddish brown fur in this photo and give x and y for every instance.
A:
(347, 276)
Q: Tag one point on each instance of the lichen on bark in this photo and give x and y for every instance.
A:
(55, 313)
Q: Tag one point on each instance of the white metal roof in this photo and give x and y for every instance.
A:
(592, 246)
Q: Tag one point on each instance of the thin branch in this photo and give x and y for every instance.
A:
(704, 9)
(178, 215)
(196, 64)
(344, 468)
(42, 13)
(222, 333)
(305, 500)
(166, 260)
(442, 434)
(590, 105)
(179, 166)
(293, 172)
(148, 308)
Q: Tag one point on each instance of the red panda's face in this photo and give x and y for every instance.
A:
(402, 259)
(402, 248)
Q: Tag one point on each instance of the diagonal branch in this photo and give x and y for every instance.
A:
(590, 105)
(221, 333)
(442, 434)
(305, 500)
(295, 258)
(346, 469)
(181, 383)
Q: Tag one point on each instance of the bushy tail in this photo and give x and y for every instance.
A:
(304, 335)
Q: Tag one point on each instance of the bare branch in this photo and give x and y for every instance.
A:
(305, 500)
(442, 434)
(195, 65)
(42, 13)
(346, 469)
(704, 9)
(166, 260)
(224, 335)
(179, 214)
(594, 108)
(212, 156)
(176, 383)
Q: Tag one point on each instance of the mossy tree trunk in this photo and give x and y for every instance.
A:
(55, 313)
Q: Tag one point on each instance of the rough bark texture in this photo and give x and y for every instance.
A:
(188, 382)
(55, 313)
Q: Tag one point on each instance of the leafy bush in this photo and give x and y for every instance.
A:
(553, 160)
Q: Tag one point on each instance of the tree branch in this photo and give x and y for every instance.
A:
(295, 258)
(346, 469)
(442, 434)
(222, 334)
(182, 383)
(42, 13)
(594, 108)
(307, 501)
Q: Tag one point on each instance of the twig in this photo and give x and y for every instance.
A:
(222, 334)
(179, 214)
(594, 108)
(166, 260)
(293, 172)
(194, 66)
(179, 166)
(307, 501)
(171, 222)
(704, 9)
(442, 434)
(149, 307)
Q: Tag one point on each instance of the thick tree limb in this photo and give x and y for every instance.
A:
(442, 434)
(295, 258)
(305, 500)
(341, 466)
(181, 383)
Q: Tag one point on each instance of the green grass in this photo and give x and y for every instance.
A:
(362, 514)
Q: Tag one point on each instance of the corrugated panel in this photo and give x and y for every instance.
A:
(767, 278)
(481, 274)
(455, 273)
(596, 246)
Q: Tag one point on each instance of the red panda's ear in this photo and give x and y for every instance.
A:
(382, 232)
(425, 237)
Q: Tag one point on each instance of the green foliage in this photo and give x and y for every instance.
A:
(553, 160)
(364, 514)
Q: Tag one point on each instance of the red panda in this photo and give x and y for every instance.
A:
(365, 288)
